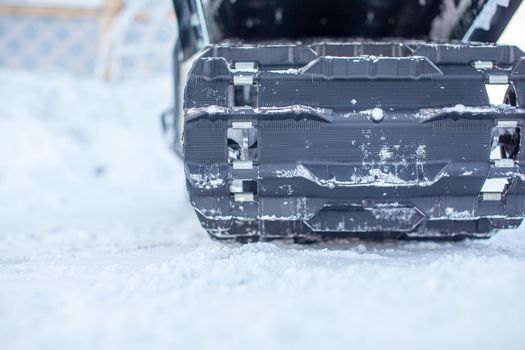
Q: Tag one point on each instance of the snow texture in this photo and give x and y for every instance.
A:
(484, 19)
(100, 249)
(451, 12)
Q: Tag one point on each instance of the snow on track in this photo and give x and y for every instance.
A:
(99, 249)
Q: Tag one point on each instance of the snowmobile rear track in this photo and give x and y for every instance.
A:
(339, 139)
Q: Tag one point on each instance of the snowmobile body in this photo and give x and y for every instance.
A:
(332, 137)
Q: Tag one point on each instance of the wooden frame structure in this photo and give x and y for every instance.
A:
(104, 10)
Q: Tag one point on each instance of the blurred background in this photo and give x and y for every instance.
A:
(100, 249)
(106, 39)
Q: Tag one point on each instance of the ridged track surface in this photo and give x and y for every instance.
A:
(324, 164)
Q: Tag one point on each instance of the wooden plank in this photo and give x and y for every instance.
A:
(109, 9)
(109, 12)
(47, 11)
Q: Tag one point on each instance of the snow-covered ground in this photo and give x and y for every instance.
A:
(99, 249)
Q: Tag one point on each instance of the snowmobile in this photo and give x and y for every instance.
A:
(310, 120)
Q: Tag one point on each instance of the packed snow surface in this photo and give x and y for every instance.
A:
(99, 249)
